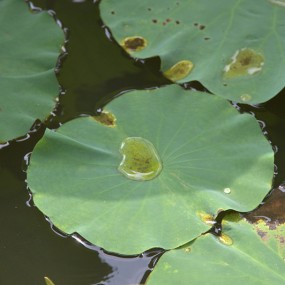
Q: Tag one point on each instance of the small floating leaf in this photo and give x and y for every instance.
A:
(75, 180)
(254, 33)
(48, 281)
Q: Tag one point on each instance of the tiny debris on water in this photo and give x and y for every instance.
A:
(133, 44)
(179, 71)
(141, 161)
(244, 62)
(106, 118)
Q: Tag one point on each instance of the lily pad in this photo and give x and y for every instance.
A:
(29, 47)
(234, 48)
(255, 257)
(204, 154)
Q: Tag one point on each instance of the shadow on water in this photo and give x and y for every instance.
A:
(95, 71)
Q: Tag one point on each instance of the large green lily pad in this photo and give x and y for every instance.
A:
(237, 48)
(212, 157)
(255, 257)
(29, 47)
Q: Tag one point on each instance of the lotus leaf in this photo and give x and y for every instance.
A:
(256, 256)
(236, 49)
(211, 157)
(28, 51)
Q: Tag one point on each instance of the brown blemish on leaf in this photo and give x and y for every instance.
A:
(135, 43)
(261, 233)
(199, 26)
(281, 240)
(106, 118)
(270, 234)
(179, 70)
(244, 62)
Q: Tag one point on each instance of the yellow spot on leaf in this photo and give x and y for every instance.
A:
(106, 118)
(179, 71)
(243, 63)
(207, 218)
(187, 249)
(245, 97)
(135, 43)
(166, 266)
(225, 239)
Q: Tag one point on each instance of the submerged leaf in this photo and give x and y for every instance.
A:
(236, 47)
(29, 47)
(198, 144)
(252, 258)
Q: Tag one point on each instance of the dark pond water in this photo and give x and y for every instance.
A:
(95, 71)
